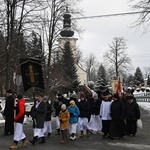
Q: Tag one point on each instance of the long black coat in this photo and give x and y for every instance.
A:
(117, 110)
(132, 111)
(9, 114)
(40, 113)
(117, 126)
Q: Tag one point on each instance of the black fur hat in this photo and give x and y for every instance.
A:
(19, 96)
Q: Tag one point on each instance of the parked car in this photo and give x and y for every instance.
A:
(29, 103)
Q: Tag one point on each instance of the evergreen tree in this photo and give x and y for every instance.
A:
(138, 77)
(101, 76)
(35, 46)
(70, 78)
(130, 81)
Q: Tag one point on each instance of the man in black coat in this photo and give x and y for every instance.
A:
(9, 114)
(39, 118)
(132, 115)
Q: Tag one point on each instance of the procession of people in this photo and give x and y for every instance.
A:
(112, 116)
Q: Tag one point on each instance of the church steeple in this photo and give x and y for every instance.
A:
(66, 31)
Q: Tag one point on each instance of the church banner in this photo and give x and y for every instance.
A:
(31, 72)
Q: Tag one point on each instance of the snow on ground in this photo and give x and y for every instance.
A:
(130, 145)
(145, 106)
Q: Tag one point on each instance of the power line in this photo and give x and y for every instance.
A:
(112, 15)
(91, 17)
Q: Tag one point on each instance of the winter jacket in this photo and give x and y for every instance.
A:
(20, 110)
(117, 110)
(132, 111)
(83, 106)
(40, 113)
(57, 104)
(74, 114)
(64, 119)
(95, 107)
(48, 112)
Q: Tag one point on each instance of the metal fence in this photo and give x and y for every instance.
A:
(142, 97)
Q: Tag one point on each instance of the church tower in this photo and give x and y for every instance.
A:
(67, 33)
(67, 36)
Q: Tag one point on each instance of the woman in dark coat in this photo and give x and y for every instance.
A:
(132, 115)
(117, 112)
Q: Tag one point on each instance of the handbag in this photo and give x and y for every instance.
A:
(139, 124)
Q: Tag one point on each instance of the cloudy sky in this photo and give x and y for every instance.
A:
(99, 32)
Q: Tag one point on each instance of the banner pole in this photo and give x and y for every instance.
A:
(34, 97)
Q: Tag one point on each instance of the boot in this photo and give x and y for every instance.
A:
(62, 141)
(48, 135)
(58, 132)
(13, 146)
(42, 141)
(90, 131)
(82, 135)
(24, 142)
(34, 140)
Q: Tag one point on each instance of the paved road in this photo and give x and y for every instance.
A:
(91, 142)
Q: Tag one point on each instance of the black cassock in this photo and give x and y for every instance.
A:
(9, 115)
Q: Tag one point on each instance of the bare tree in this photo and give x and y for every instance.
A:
(116, 56)
(22, 17)
(147, 71)
(91, 69)
(142, 6)
(78, 57)
(16, 15)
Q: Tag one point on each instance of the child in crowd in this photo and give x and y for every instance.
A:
(74, 114)
(64, 122)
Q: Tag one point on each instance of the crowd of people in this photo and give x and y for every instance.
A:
(114, 115)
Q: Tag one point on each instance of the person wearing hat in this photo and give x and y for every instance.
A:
(64, 123)
(105, 113)
(19, 118)
(9, 113)
(117, 112)
(74, 114)
(47, 122)
(132, 115)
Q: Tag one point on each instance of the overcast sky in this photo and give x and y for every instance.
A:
(99, 32)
